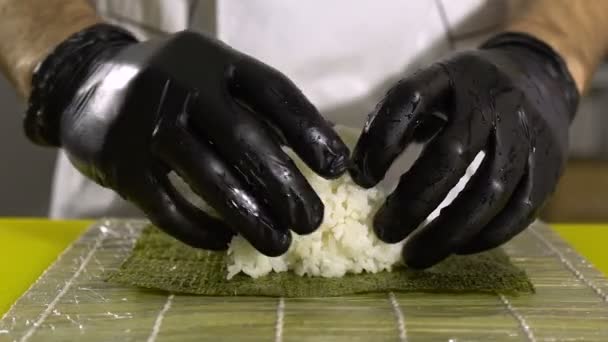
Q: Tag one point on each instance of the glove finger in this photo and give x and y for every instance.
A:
(392, 125)
(243, 142)
(217, 183)
(442, 163)
(512, 220)
(274, 97)
(484, 196)
(532, 192)
(169, 211)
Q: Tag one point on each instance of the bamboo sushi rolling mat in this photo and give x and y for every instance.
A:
(70, 301)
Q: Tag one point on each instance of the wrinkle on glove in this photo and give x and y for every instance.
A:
(161, 262)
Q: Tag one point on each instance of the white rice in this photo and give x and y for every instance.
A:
(344, 243)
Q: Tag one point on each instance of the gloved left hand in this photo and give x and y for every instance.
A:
(513, 99)
(127, 113)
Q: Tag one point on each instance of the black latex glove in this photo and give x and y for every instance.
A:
(513, 99)
(127, 113)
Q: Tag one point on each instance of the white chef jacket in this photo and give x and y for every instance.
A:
(342, 54)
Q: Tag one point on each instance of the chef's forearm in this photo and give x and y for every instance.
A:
(30, 29)
(576, 29)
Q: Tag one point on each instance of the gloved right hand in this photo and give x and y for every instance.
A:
(128, 113)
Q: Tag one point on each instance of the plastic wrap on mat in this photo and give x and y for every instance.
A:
(71, 301)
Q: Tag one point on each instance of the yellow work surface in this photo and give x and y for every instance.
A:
(29, 246)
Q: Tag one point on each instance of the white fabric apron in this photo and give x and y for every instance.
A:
(343, 54)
